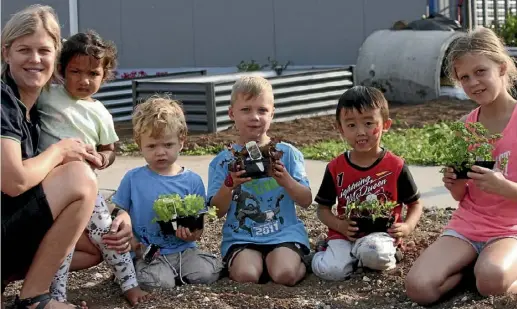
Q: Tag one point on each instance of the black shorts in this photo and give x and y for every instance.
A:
(234, 250)
(25, 221)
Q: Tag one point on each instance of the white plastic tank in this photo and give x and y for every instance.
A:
(404, 64)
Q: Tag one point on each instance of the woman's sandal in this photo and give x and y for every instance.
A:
(42, 299)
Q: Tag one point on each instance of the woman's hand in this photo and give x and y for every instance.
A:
(99, 162)
(120, 235)
(73, 149)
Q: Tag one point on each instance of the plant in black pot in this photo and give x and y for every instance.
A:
(467, 144)
(371, 215)
(256, 161)
(173, 211)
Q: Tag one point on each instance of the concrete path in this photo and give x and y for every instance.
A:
(428, 179)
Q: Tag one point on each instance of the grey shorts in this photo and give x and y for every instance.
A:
(191, 266)
(478, 245)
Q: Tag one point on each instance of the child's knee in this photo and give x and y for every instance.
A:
(492, 279)
(375, 251)
(203, 268)
(243, 273)
(288, 276)
(331, 268)
(157, 274)
(100, 222)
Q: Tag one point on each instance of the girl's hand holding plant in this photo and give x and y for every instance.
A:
(488, 180)
(450, 179)
(184, 233)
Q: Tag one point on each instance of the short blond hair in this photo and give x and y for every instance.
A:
(482, 41)
(157, 116)
(251, 87)
(26, 22)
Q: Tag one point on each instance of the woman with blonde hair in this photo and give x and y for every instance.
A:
(48, 197)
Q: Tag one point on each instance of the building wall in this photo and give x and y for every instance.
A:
(221, 33)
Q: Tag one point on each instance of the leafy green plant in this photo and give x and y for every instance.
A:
(245, 66)
(277, 66)
(170, 206)
(370, 209)
(508, 30)
(470, 142)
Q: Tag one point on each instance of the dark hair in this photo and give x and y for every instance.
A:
(362, 98)
(89, 44)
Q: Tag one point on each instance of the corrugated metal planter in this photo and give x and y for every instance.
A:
(117, 95)
(206, 99)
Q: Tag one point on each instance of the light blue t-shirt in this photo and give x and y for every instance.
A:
(136, 194)
(261, 211)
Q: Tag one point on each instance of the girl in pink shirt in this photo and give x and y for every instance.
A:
(483, 230)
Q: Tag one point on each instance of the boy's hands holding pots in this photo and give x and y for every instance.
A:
(399, 230)
(348, 228)
(185, 234)
(235, 179)
(450, 179)
(281, 175)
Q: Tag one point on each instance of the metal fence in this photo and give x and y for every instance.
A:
(117, 95)
(206, 100)
(488, 12)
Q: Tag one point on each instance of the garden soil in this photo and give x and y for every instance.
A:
(364, 290)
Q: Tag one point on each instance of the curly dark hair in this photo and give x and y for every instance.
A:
(89, 43)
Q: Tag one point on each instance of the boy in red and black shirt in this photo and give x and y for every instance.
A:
(367, 172)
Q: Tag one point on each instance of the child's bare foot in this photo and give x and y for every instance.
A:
(136, 296)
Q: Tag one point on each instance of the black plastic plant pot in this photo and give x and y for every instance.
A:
(193, 223)
(253, 170)
(461, 172)
(366, 225)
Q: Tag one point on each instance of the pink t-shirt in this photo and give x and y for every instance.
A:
(480, 215)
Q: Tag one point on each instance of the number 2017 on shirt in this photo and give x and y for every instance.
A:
(265, 229)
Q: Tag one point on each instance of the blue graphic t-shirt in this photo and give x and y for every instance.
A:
(261, 211)
(136, 194)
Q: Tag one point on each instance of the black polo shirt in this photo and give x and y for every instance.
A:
(14, 122)
(16, 126)
(26, 218)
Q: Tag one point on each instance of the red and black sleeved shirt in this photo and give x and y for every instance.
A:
(388, 178)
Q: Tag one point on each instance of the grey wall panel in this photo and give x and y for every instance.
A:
(9, 7)
(228, 31)
(381, 14)
(221, 33)
(310, 32)
(157, 33)
(103, 17)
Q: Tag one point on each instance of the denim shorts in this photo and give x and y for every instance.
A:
(478, 245)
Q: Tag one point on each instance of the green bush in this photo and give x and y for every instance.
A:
(508, 30)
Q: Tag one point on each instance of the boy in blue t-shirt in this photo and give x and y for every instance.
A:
(262, 237)
(160, 130)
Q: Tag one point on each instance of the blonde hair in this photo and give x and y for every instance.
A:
(158, 115)
(26, 22)
(482, 41)
(251, 87)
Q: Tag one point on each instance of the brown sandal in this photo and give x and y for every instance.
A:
(42, 299)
